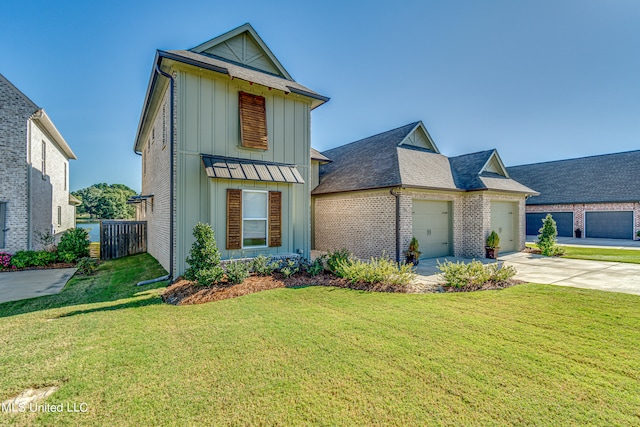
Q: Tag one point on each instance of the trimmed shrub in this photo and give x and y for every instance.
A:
(547, 238)
(204, 257)
(473, 274)
(493, 241)
(74, 244)
(87, 265)
(237, 272)
(5, 261)
(378, 270)
(289, 268)
(261, 266)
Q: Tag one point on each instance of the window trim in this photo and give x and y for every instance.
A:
(266, 220)
(4, 229)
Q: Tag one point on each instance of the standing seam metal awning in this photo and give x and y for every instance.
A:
(254, 170)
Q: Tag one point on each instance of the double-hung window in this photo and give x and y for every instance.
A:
(254, 218)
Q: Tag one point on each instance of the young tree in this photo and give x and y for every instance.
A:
(547, 241)
(204, 257)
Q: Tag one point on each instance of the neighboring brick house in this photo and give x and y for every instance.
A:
(379, 192)
(34, 173)
(225, 139)
(598, 195)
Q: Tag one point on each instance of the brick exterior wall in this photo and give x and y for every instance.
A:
(579, 210)
(15, 111)
(364, 222)
(156, 180)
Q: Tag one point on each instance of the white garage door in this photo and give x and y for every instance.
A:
(504, 220)
(432, 227)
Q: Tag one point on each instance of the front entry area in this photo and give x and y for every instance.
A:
(504, 221)
(432, 227)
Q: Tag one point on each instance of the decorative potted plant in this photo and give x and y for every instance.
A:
(413, 254)
(491, 249)
(578, 233)
(638, 234)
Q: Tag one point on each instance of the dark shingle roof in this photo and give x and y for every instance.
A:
(379, 161)
(597, 179)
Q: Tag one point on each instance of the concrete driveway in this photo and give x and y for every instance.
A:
(19, 285)
(600, 275)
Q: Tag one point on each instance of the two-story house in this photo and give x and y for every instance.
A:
(34, 173)
(224, 137)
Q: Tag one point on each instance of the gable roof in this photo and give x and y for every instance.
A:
(203, 57)
(315, 155)
(243, 46)
(18, 92)
(607, 178)
(386, 160)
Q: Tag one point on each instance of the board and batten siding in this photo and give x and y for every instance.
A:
(208, 122)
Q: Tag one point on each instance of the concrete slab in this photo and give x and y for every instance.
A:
(600, 275)
(18, 285)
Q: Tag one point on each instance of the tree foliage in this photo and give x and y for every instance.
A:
(106, 201)
(547, 241)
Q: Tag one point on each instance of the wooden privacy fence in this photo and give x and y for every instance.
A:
(122, 238)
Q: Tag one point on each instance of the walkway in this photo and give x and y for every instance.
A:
(18, 285)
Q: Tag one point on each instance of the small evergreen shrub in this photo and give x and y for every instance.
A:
(547, 241)
(87, 265)
(337, 260)
(493, 241)
(5, 261)
(473, 274)
(378, 270)
(261, 266)
(74, 244)
(204, 257)
(237, 272)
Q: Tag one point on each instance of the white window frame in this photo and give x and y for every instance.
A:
(266, 220)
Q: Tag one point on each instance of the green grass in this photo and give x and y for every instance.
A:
(531, 354)
(600, 254)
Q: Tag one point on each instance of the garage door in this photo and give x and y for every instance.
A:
(564, 223)
(609, 225)
(432, 227)
(503, 221)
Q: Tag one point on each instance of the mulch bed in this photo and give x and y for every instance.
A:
(184, 292)
(45, 267)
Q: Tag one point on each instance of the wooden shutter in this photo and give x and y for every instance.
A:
(253, 121)
(234, 219)
(275, 218)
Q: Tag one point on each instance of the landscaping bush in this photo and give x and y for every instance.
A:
(336, 261)
(74, 244)
(378, 270)
(289, 267)
(5, 261)
(261, 266)
(316, 267)
(204, 257)
(547, 238)
(473, 274)
(237, 271)
(25, 259)
(87, 265)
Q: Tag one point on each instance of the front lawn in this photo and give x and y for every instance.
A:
(530, 354)
(600, 254)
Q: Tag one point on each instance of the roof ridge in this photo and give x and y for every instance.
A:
(414, 124)
(576, 158)
(474, 153)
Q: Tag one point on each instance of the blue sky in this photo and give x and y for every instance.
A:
(538, 80)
